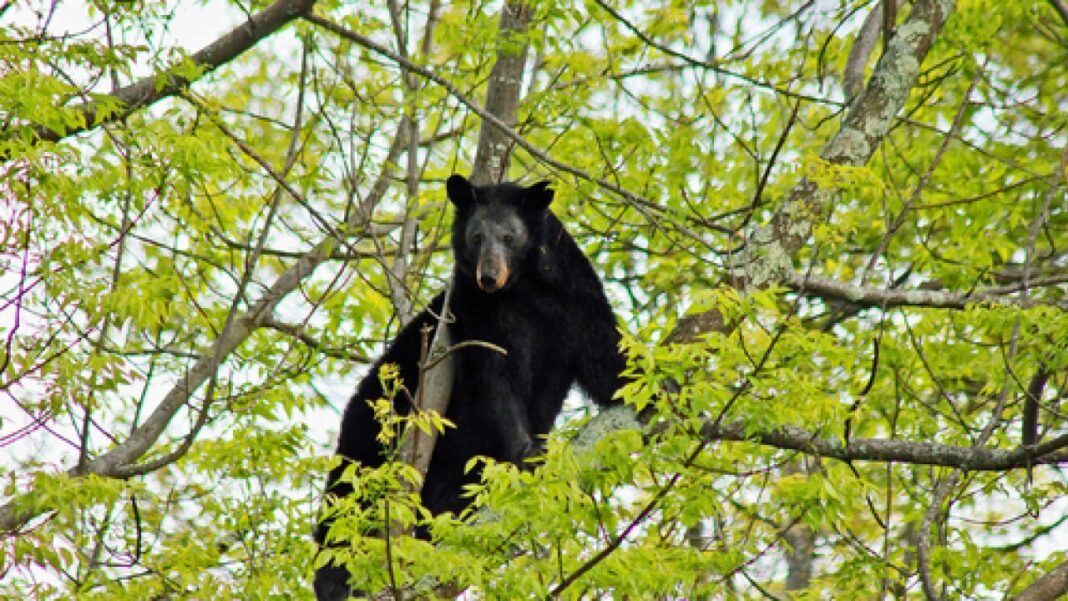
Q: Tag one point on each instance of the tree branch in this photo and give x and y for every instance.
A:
(491, 163)
(297, 331)
(149, 90)
(1061, 8)
(1052, 452)
(502, 95)
(119, 462)
(939, 299)
(860, 52)
(1050, 586)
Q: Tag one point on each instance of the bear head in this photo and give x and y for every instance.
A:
(496, 229)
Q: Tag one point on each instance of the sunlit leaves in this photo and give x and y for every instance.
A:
(123, 251)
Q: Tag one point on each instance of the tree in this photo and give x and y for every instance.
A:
(835, 233)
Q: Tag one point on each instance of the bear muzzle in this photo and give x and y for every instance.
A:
(492, 275)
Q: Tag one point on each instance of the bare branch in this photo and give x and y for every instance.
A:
(1032, 399)
(298, 332)
(434, 360)
(433, 392)
(715, 67)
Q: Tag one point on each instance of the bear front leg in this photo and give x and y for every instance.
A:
(513, 426)
(508, 417)
(600, 364)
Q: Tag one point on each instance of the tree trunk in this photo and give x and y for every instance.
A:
(502, 96)
(491, 165)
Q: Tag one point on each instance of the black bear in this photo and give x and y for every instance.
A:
(521, 283)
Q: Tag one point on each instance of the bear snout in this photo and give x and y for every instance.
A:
(491, 275)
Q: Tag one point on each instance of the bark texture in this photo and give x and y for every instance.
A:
(502, 96)
(1052, 585)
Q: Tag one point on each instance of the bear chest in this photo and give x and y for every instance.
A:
(514, 323)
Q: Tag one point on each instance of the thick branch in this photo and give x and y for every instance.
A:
(149, 90)
(863, 45)
(898, 451)
(801, 538)
(502, 95)
(1052, 585)
(938, 299)
(869, 119)
(491, 163)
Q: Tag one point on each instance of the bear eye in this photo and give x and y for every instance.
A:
(476, 239)
(508, 238)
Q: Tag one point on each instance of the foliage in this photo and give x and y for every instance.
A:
(190, 289)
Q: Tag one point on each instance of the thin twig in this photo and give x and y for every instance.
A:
(430, 364)
(117, 461)
(711, 66)
(899, 219)
(298, 332)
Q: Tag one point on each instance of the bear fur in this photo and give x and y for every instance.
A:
(520, 282)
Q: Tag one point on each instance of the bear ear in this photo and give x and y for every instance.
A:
(539, 196)
(461, 192)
